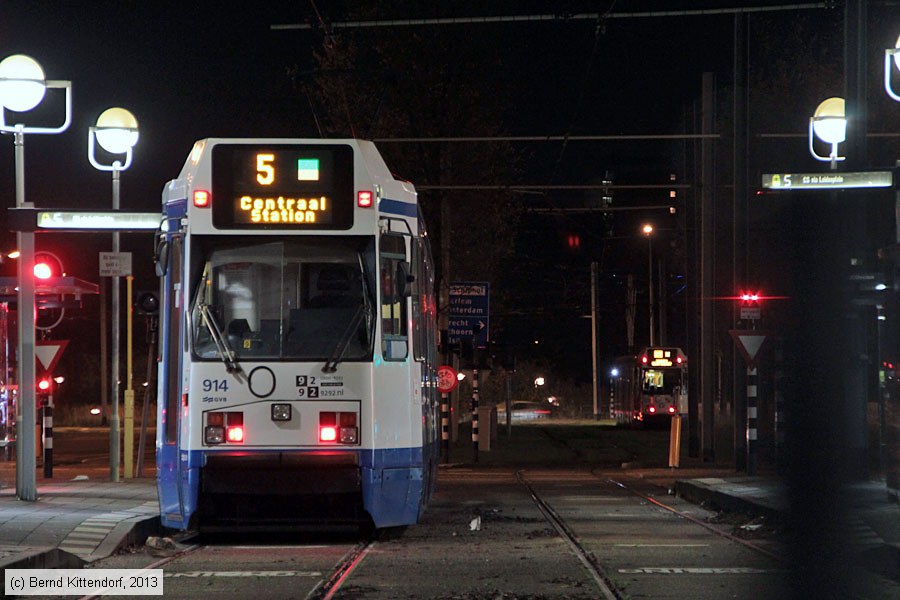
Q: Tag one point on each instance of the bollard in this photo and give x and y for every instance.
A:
(675, 442)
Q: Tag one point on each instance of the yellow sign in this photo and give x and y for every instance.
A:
(281, 209)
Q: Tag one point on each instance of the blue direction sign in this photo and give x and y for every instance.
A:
(469, 312)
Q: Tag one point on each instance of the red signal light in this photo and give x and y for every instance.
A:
(364, 199)
(671, 410)
(327, 434)
(574, 241)
(44, 385)
(42, 271)
(651, 410)
(46, 266)
(202, 198)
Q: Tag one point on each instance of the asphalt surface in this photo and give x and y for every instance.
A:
(80, 517)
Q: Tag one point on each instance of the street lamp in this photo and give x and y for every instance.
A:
(829, 124)
(117, 132)
(889, 54)
(648, 231)
(22, 87)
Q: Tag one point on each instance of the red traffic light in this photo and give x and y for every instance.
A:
(47, 265)
(45, 385)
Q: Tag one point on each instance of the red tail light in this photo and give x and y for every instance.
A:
(224, 427)
(671, 410)
(235, 434)
(364, 199)
(327, 433)
(338, 427)
(651, 410)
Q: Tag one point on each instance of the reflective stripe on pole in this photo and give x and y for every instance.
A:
(445, 427)
(475, 413)
(751, 420)
(48, 438)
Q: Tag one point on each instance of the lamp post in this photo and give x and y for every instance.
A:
(117, 132)
(22, 87)
(829, 124)
(648, 231)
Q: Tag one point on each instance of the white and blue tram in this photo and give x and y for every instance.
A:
(650, 387)
(298, 353)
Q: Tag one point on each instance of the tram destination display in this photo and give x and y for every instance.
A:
(282, 186)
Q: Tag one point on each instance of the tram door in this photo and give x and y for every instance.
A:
(168, 429)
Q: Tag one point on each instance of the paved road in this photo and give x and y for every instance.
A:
(484, 537)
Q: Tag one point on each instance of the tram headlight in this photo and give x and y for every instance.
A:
(348, 435)
(281, 412)
(338, 427)
(222, 427)
(214, 434)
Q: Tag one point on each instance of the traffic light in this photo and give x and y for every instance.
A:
(750, 298)
(147, 303)
(47, 265)
(573, 240)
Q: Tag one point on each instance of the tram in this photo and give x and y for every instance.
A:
(649, 387)
(298, 374)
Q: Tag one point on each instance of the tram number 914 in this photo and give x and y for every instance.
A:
(215, 385)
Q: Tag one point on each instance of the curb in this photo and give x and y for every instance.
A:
(127, 533)
(41, 558)
(700, 494)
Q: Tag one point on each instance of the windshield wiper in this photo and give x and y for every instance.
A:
(226, 352)
(344, 341)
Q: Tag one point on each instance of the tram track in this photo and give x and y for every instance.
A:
(716, 530)
(604, 584)
(328, 587)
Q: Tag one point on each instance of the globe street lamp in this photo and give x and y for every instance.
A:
(648, 231)
(829, 124)
(117, 132)
(891, 55)
(22, 87)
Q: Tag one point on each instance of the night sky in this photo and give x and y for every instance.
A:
(191, 70)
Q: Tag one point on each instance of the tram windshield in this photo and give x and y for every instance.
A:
(309, 298)
(660, 381)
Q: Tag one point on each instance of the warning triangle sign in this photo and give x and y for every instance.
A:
(48, 352)
(749, 342)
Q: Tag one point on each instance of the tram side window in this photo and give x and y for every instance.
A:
(394, 340)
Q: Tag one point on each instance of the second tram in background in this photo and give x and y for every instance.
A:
(649, 387)
(297, 377)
